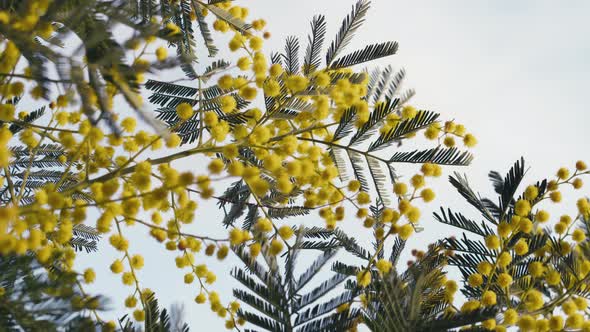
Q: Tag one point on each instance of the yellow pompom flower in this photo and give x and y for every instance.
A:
(259, 187)
(221, 26)
(272, 162)
(264, 225)
(526, 323)
(271, 88)
(236, 236)
(569, 307)
(297, 83)
(225, 82)
(404, 206)
(215, 166)
(417, 181)
(449, 141)
(275, 70)
(354, 185)
(173, 140)
(555, 196)
(489, 324)
(469, 140)
(184, 111)
(7, 112)
(427, 195)
(189, 278)
(504, 280)
(363, 278)
(488, 298)
(524, 225)
(139, 315)
(201, 298)
(286, 232)
(428, 169)
(556, 323)
(492, 242)
(405, 231)
(536, 269)
(581, 303)
(578, 235)
(89, 276)
(222, 252)
(130, 301)
(400, 188)
(236, 168)
(276, 246)
(322, 80)
(244, 63)
(227, 103)
(117, 266)
(451, 286)
(583, 206)
(449, 126)
(255, 249)
(563, 173)
(522, 208)
(521, 247)
(504, 229)
(161, 53)
(136, 261)
(531, 192)
(484, 268)
(127, 278)
(432, 132)
(470, 306)
(510, 317)
(256, 43)
(248, 92)
(542, 216)
(363, 198)
(553, 278)
(475, 280)
(504, 259)
(258, 24)
(384, 266)
(413, 214)
(409, 112)
(533, 300)
(560, 227)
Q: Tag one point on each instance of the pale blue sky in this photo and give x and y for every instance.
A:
(514, 72)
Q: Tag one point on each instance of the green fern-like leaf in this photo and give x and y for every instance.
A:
(351, 23)
(438, 155)
(315, 40)
(422, 120)
(291, 55)
(369, 53)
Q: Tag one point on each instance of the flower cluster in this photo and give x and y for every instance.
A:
(281, 154)
(536, 267)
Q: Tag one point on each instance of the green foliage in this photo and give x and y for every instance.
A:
(415, 299)
(470, 251)
(282, 300)
(37, 301)
(156, 320)
(170, 95)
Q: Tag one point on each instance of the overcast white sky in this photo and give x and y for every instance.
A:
(514, 72)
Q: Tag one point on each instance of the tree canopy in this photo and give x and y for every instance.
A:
(287, 136)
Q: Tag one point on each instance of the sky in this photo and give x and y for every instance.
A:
(514, 72)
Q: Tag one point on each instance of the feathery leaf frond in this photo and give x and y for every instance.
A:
(351, 23)
(369, 53)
